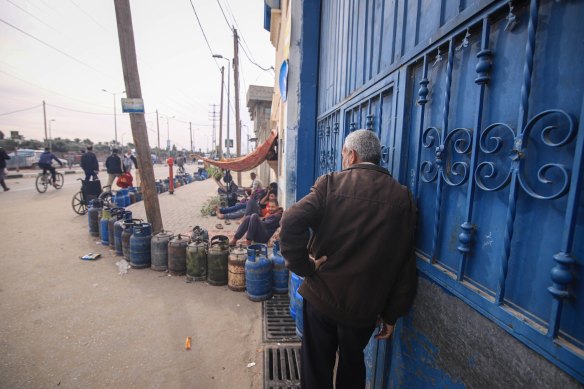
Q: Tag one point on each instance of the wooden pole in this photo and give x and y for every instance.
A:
(236, 82)
(137, 120)
(45, 120)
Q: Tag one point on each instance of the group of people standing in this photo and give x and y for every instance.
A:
(115, 164)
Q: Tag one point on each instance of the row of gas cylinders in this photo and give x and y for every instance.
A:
(178, 181)
(126, 196)
(200, 259)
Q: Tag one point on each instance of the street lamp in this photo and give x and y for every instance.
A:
(167, 130)
(115, 119)
(50, 135)
(228, 89)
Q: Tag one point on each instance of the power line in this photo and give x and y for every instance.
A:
(20, 110)
(75, 110)
(253, 62)
(56, 49)
(88, 15)
(51, 91)
(224, 16)
(203, 31)
(28, 13)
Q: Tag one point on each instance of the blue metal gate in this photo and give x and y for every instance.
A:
(478, 106)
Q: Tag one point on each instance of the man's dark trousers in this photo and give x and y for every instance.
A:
(320, 339)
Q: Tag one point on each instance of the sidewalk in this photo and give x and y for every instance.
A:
(181, 211)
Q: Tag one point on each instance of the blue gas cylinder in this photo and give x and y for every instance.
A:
(299, 319)
(258, 273)
(295, 282)
(279, 271)
(95, 206)
(140, 246)
(103, 226)
(119, 199)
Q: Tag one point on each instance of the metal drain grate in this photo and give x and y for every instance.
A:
(282, 367)
(278, 324)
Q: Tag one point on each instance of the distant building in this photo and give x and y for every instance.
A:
(259, 104)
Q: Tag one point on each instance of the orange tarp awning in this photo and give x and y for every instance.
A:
(246, 162)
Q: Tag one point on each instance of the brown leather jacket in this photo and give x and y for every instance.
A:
(363, 220)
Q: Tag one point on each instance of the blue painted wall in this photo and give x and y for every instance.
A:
(478, 105)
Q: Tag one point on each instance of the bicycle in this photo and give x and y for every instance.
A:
(181, 170)
(45, 179)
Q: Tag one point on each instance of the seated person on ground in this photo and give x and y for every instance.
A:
(255, 204)
(256, 184)
(270, 194)
(258, 229)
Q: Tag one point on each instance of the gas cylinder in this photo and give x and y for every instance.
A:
(118, 229)
(93, 216)
(258, 273)
(126, 234)
(295, 282)
(159, 250)
(217, 259)
(279, 271)
(132, 196)
(177, 256)
(199, 233)
(197, 260)
(140, 246)
(236, 269)
(103, 226)
(299, 319)
(117, 214)
(119, 199)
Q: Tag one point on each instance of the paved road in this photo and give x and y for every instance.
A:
(72, 323)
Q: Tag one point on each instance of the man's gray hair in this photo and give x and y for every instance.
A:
(366, 144)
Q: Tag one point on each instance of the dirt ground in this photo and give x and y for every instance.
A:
(73, 323)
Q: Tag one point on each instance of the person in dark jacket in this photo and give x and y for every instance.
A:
(46, 163)
(359, 264)
(257, 229)
(3, 158)
(114, 167)
(89, 164)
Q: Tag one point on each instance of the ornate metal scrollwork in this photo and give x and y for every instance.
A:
(546, 137)
(491, 144)
(384, 155)
(428, 169)
(455, 173)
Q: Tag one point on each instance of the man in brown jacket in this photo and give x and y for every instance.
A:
(359, 263)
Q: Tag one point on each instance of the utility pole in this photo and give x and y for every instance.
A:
(45, 118)
(220, 149)
(137, 120)
(158, 133)
(213, 117)
(236, 82)
(191, 130)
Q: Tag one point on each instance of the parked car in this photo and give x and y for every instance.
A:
(24, 158)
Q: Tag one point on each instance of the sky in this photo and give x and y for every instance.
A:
(66, 51)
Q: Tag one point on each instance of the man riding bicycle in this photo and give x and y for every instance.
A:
(45, 162)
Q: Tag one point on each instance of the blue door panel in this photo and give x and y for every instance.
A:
(490, 146)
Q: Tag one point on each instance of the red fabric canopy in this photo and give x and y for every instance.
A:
(246, 162)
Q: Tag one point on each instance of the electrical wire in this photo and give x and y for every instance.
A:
(49, 90)
(224, 16)
(28, 13)
(56, 49)
(89, 16)
(203, 31)
(75, 110)
(21, 110)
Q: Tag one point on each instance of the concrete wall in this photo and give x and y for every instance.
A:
(444, 342)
